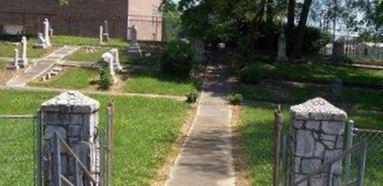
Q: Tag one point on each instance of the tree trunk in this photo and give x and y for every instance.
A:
(290, 26)
(297, 52)
(269, 23)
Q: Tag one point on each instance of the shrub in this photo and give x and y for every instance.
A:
(191, 97)
(235, 99)
(177, 59)
(251, 74)
(106, 79)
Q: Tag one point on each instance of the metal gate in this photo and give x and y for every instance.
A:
(20, 144)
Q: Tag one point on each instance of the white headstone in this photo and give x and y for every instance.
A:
(40, 42)
(106, 31)
(108, 58)
(134, 48)
(16, 59)
(50, 32)
(46, 33)
(24, 58)
(101, 35)
(116, 62)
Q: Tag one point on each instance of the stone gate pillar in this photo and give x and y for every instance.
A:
(317, 136)
(75, 117)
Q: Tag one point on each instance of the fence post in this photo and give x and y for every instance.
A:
(362, 163)
(56, 160)
(277, 140)
(348, 141)
(110, 133)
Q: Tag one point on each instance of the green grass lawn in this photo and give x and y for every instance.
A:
(322, 73)
(139, 81)
(293, 94)
(144, 81)
(92, 41)
(72, 78)
(257, 133)
(144, 130)
(7, 49)
(82, 55)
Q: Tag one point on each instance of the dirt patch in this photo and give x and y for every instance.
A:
(7, 73)
(241, 163)
(164, 170)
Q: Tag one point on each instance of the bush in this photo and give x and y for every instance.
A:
(235, 99)
(106, 79)
(177, 59)
(191, 97)
(251, 74)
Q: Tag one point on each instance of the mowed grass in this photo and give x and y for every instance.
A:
(138, 81)
(352, 100)
(72, 78)
(322, 73)
(144, 131)
(7, 49)
(83, 55)
(147, 81)
(90, 41)
(362, 99)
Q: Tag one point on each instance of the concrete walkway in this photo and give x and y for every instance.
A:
(206, 157)
(41, 66)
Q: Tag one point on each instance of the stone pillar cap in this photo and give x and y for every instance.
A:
(317, 109)
(71, 102)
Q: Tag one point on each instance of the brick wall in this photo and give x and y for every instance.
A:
(83, 17)
(145, 15)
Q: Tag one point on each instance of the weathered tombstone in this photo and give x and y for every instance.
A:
(46, 33)
(282, 47)
(40, 42)
(75, 118)
(116, 61)
(336, 89)
(50, 32)
(106, 31)
(134, 48)
(108, 58)
(16, 59)
(24, 60)
(101, 36)
(316, 137)
(338, 49)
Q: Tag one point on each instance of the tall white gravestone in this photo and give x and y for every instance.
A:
(40, 42)
(24, 59)
(316, 137)
(106, 31)
(46, 33)
(101, 35)
(16, 59)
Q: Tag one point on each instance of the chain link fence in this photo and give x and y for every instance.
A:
(374, 161)
(17, 149)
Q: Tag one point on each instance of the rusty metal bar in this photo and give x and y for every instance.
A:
(74, 156)
(277, 140)
(56, 160)
(362, 164)
(65, 180)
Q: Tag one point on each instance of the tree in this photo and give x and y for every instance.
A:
(297, 51)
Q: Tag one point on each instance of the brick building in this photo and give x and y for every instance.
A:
(83, 17)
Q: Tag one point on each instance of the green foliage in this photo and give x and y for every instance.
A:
(251, 74)
(191, 97)
(106, 79)
(172, 21)
(177, 59)
(315, 39)
(235, 99)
